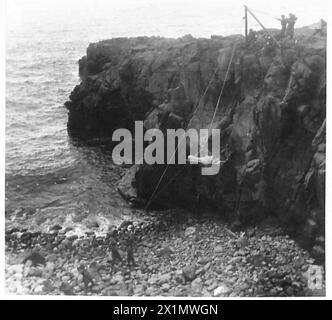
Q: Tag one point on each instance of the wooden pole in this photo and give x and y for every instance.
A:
(246, 22)
(275, 40)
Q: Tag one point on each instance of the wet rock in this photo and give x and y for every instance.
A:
(72, 237)
(92, 224)
(207, 266)
(50, 266)
(165, 278)
(67, 229)
(212, 287)
(48, 286)
(240, 253)
(273, 292)
(36, 258)
(56, 227)
(117, 278)
(51, 257)
(139, 290)
(189, 231)
(35, 272)
(218, 249)
(203, 260)
(235, 260)
(97, 289)
(12, 230)
(165, 287)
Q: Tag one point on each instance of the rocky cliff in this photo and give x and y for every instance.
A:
(271, 116)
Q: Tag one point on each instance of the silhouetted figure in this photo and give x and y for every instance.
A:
(252, 36)
(87, 277)
(290, 27)
(130, 244)
(283, 22)
(115, 252)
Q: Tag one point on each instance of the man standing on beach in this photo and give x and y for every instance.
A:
(115, 252)
(87, 277)
(130, 243)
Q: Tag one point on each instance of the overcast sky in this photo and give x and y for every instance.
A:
(64, 11)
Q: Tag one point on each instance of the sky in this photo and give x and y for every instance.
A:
(308, 11)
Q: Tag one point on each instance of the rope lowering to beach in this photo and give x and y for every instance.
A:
(223, 86)
(195, 110)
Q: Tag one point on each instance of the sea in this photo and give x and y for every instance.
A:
(50, 178)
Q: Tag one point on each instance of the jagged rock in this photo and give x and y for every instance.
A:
(165, 278)
(127, 186)
(218, 249)
(35, 272)
(164, 252)
(203, 260)
(189, 231)
(67, 289)
(56, 227)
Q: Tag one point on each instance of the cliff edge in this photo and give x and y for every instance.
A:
(271, 117)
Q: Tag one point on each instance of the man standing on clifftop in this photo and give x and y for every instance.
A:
(283, 22)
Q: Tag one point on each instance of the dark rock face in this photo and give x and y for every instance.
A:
(271, 116)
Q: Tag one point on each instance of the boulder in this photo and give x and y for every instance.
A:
(189, 272)
(221, 290)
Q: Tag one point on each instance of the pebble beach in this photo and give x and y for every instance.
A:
(187, 256)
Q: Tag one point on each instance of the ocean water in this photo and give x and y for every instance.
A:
(48, 176)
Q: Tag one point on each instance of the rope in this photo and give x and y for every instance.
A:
(265, 13)
(214, 115)
(195, 110)
(170, 181)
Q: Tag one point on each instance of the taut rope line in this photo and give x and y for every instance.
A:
(167, 165)
(214, 115)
